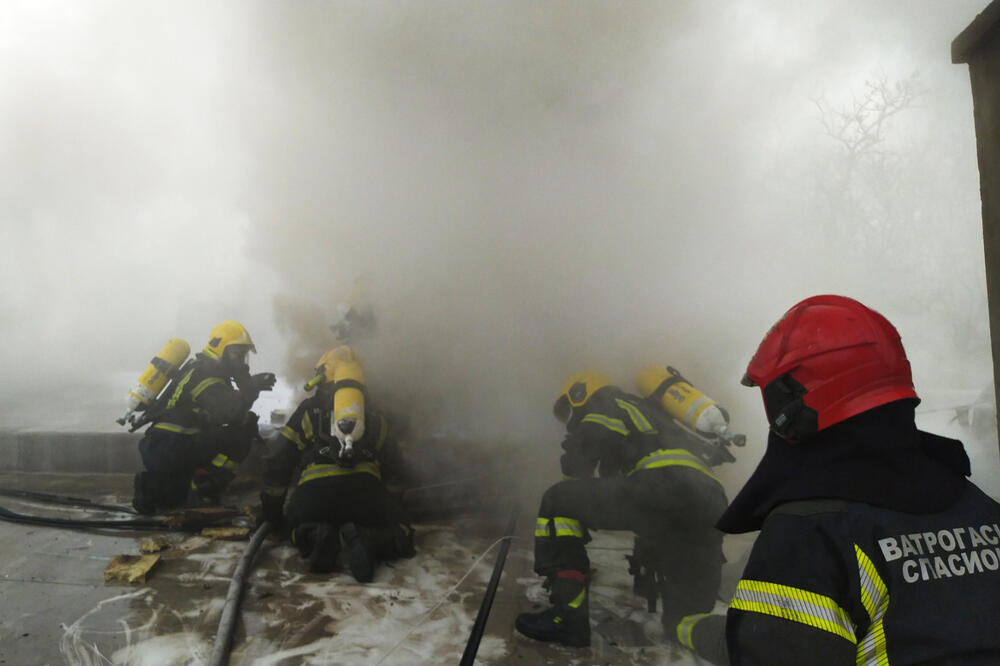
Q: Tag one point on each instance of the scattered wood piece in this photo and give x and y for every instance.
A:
(153, 545)
(229, 533)
(130, 568)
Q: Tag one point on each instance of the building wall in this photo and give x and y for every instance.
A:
(979, 46)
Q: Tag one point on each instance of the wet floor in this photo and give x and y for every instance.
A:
(56, 608)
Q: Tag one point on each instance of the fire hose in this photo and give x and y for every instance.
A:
(140, 524)
(227, 622)
(472, 646)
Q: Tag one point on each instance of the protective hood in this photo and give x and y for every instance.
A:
(877, 457)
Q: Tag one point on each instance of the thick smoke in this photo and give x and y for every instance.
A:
(526, 190)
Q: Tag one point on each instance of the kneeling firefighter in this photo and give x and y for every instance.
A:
(202, 426)
(665, 494)
(349, 463)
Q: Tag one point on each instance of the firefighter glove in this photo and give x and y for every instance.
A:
(263, 381)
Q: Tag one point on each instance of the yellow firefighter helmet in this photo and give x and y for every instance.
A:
(326, 366)
(577, 391)
(225, 335)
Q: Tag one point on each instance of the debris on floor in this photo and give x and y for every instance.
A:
(130, 568)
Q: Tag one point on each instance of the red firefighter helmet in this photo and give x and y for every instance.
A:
(827, 359)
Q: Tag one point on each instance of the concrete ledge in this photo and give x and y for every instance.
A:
(70, 452)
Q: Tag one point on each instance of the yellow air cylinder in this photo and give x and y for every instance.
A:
(349, 400)
(682, 401)
(155, 376)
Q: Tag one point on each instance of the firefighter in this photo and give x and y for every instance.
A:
(874, 548)
(204, 429)
(647, 484)
(348, 469)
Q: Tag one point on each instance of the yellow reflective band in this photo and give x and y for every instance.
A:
(179, 390)
(289, 433)
(307, 427)
(317, 471)
(875, 597)
(543, 527)
(791, 603)
(686, 626)
(579, 599)
(173, 427)
(225, 462)
(614, 425)
(567, 527)
(204, 384)
(668, 457)
(638, 418)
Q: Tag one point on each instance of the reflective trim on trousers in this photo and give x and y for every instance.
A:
(686, 627)
(558, 526)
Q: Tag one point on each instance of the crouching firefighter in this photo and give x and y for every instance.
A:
(345, 493)
(663, 493)
(204, 428)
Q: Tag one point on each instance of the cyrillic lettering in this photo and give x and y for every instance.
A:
(972, 561)
(926, 572)
(946, 540)
(930, 539)
(940, 569)
(956, 569)
(990, 560)
(890, 550)
(909, 571)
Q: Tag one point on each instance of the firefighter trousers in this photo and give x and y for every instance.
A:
(673, 510)
(172, 460)
(358, 498)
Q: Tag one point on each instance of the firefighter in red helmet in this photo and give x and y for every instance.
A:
(874, 547)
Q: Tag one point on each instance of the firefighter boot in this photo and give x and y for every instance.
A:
(207, 486)
(319, 542)
(142, 499)
(361, 552)
(568, 620)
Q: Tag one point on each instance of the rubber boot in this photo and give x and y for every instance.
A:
(402, 542)
(207, 487)
(568, 620)
(320, 543)
(142, 499)
(361, 552)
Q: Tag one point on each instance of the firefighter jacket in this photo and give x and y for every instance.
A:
(202, 397)
(306, 444)
(617, 434)
(892, 558)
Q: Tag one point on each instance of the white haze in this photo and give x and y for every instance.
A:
(528, 189)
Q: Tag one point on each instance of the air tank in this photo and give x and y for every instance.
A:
(155, 377)
(683, 401)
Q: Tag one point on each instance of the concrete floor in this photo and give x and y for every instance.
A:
(55, 607)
